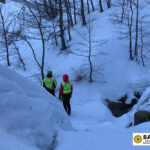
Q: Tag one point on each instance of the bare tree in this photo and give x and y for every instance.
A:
(142, 43)
(82, 13)
(69, 18)
(90, 49)
(55, 33)
(123, 4)
(132, 17)
(88, 7)
(74, 9)
(34, 26)
(61, 25)
(39, 24)
(92, 5)
(88, 46)
(121, 14)
(51, 12)
(108, 3)
(130, 26)
(4, 32)
(137, 29)
(100, 6)
(19, 56)
(70, 12)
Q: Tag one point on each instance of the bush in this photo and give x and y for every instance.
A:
(79, 75)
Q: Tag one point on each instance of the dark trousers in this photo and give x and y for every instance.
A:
(66, 103)
(51, 91)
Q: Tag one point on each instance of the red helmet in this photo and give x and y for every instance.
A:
(65, 78)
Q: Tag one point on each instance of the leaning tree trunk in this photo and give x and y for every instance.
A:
(92, 5)
(39, 24)
(20, 57)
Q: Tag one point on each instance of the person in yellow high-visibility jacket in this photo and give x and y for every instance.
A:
(49, 83)
(65, 93)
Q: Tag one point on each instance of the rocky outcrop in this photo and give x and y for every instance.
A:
(123, 99)
(141, 116)
(120, 108)
(137, 95)
(3, 1)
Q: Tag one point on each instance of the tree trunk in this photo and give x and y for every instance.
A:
(33, 52)
(42, 37)
(92, 5)
(68, 19)
(88, 6)
(108, 3)
(5, 38)
(90, 51)
(100, 6)
(82, 13)
(142, 45)
(137, 30)
(70, 13)
(61, 26)
(69, 33)
(123, 10)
(130, 31)
(74, 9)
(55, 36)
(20, 57)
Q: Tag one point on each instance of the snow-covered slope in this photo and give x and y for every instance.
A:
(27, 113)
(30, 116)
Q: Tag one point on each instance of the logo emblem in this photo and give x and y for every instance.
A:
(137, 139)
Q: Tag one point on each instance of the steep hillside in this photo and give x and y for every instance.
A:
(33, 119)
(112, 68)
(29, 115)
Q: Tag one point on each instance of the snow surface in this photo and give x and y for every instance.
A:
(31, 118)
(29, 115)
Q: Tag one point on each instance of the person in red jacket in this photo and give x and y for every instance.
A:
(65, 93)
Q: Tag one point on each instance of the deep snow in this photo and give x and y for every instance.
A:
(30, 117)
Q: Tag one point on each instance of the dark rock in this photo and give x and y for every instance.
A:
(141, 116)
(123, 98)
(134, 101)
(129, 125)
(137, 95)
(3, 1)
(120, 108)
